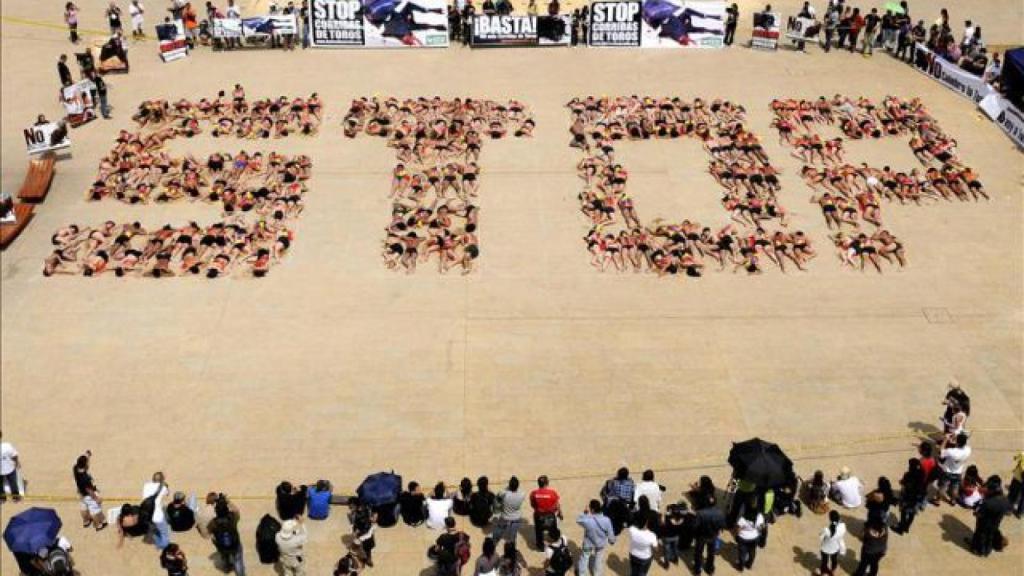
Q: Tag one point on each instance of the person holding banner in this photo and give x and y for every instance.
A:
(731, 19)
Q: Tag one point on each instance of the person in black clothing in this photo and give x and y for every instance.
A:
(63, 71)
(101, 93)
(91, 503)
(911, 493)
(702, 493)
(445, 549)
(554, 8)
(481, 503)
(291, 500)
(875, 545)
(468, 13)
(412, 505)
(732, 18)
(460, 501)
(988, 516)
(878, 502)
(173, 559)
(710, 523)
(180, 517)
(224, 531)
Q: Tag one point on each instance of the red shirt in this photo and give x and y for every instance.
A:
(927, 466)
(544, 500)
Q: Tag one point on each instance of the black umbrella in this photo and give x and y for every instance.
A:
(760, 463)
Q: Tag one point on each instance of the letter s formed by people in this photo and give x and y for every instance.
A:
(435, 183)
(259, 196)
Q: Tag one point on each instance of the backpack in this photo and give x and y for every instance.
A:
(266, 544)
(148, 507)
(561, 559)
(462, 549)
(57, 562)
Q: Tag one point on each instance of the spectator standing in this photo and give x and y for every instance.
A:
(832, 16)
(847, 490)
(488, 562)
(450, 549)
(732, 17)
(137, 13)
(642, 543)
(224, 531)
(509, 504)
(71, 19)
(875, 544)
(291, 542)
(988, 516)
(856, 25)
(598, 534)
(617, 495)
(710, 523)
(304, 23)
(912, 493)
(9, 465)
(676, 532)
(872, 22)
(879, 501)
(173, 559)
(412, 505)
(63, 72)
(90, 502)
(157, 490)
(749, 528)
(439, 507)
(648, 487)
(206, 514)
(349, 564)
(1016, 495)
(363, 530)
(557, 558)
(101, 93)
(481, 504)
(180, 515)
(554, 8)
(114, 18)
(546, 510)
(832, 544)
(953, 461)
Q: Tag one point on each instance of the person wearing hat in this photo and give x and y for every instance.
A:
(180, 516)
(291, 541)
(847, 490)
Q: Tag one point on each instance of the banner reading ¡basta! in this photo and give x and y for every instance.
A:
(614, 23)
(497, 31)
(378, 23)
(683, 24)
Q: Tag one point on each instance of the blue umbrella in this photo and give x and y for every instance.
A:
(32, 530)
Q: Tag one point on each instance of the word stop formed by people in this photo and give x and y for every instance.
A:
(259, 196)
(435, 183)
(746, 239)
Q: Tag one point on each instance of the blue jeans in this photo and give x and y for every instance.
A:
(234, 561)
(506, 530)
(670, 547)
(591, 561)
(161, 533)
(950, 484)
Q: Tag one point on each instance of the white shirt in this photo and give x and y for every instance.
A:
(747, 530)
(7, 456)
(233, 13)
(437, 511)
(849, 492)
(150, 488)
(641, 543)
(834, 544)
(953, 460)
(652, 491)
(136, 10)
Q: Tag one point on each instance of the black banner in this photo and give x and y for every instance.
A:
(494, 31)
(615, 23)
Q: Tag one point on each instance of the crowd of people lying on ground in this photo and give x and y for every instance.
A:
(258, 194)
(617, 237)
(436, 181)
(850, 196)
(235, 116)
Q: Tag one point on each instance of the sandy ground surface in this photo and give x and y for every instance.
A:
(334, 367)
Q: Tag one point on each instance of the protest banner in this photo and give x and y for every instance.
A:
(800, 29)
(46, 137)
(507, 30)
(765, 34)
(173, 45)
(378, 23)
(682, 24)
(615, 23)
(257, 29)
(79, 105)
(952, 76)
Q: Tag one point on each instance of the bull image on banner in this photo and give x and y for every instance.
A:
(378, 23)
(615, 23)
(507, 30)
(683, 23)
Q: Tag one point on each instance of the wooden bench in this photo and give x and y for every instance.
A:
(10, 230)
(37, 180)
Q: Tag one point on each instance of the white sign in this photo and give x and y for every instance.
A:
(954, 77)
(77, 98)
(1006, 115)
(46, 137)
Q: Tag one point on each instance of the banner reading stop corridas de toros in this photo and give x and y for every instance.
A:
(378, 23)
(614, 23)
(683, 24)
